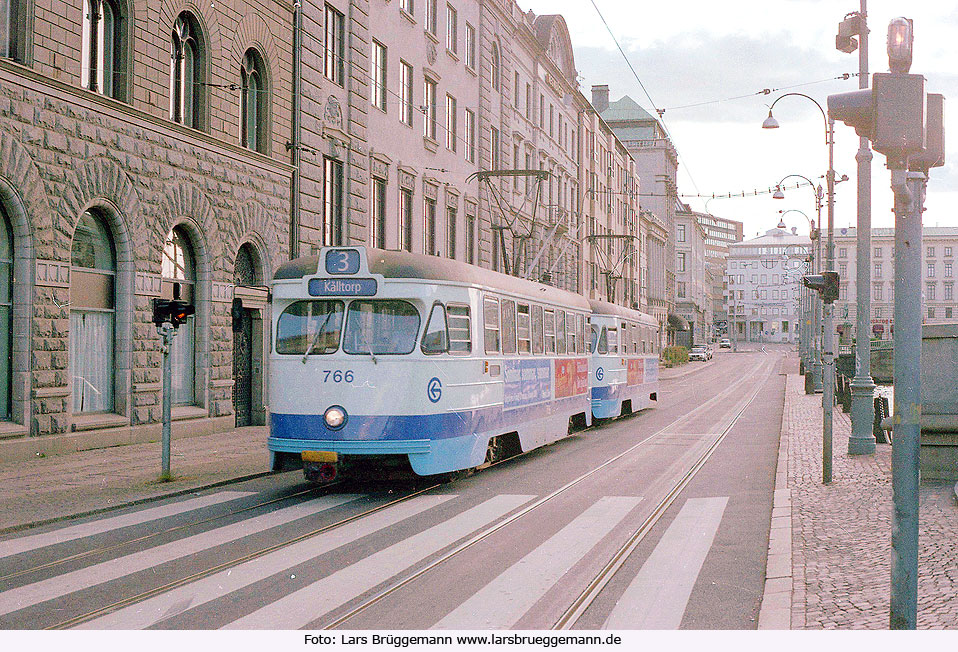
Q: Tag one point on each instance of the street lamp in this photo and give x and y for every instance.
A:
(813, 358)
(828, 377)
(811, 324)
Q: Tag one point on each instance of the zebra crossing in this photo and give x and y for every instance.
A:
(655, 598)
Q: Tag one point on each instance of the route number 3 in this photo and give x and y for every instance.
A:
(338, 376)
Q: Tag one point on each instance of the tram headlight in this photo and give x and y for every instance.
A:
(335, 417)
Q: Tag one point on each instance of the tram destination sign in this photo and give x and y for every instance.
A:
(342, 287)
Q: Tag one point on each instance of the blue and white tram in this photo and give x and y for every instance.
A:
(623, 362)
(383, 353)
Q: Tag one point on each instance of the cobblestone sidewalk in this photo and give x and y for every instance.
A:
(841, 533)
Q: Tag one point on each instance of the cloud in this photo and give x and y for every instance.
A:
(700, 68)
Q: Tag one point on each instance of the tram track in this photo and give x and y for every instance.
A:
(594, 588)
(584, 600)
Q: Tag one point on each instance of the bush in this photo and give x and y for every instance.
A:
(675, 356)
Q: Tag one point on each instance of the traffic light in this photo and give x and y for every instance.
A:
(826, 284)
(175, 312)
(856, 109)
(848, 29)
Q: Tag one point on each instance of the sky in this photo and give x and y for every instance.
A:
(701, 51)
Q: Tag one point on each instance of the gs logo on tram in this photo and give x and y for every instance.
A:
(434, 390)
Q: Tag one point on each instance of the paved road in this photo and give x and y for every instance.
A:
(512, 547)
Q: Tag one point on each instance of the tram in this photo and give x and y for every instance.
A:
(623, 364)
(388, 356)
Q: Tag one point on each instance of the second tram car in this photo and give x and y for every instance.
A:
(387, 355)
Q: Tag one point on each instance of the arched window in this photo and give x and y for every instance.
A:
(244, 269)
(103, 49)
(186, 72)
(92, 314)
(495, 66)
(179, 268)
(6, 315)
(254, 102)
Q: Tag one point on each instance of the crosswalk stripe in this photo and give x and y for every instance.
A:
(34, 541)
(502, 602)
(309, 603)
(659, 594)
(167, 605)
(60, 585)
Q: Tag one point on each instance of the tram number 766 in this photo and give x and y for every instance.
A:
(338, 376)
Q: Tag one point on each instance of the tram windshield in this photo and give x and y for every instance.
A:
(376, 327)
(310, 328)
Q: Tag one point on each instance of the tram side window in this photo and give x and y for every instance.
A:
(508, 326)
(537, 330)
(435, 339)
(603, 345)
(460, 336)
(550, 332)
(560, 332)
(490, 319)
(612, 335)
(570, 332)
(593, 339)
(580, 330)
(524, 328)
(377, 327)
(309, 327)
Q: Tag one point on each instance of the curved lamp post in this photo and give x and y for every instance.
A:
(828, 372)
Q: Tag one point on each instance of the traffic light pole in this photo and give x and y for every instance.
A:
(167, 332)
(909, 188)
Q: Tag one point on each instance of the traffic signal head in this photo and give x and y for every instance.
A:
(856, 109)
(826, 284)
(175, 312)
(900, 40)
(848, 29)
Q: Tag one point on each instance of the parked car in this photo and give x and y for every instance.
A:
(698, 353)
(725, 343)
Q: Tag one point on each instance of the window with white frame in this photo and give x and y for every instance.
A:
(101, 65)
(431, 10)
(379, 55)
(470, 46)
(335, 42)
(377, 228)
(452, 135)
(470, 136)
(452, 29)
(429, 103)
(405, 93)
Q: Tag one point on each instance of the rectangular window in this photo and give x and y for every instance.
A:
(376, 327)
(931, 313)
(490, 324)
(470, 46)
(537, 330)
(877, 270)
(948, 270)
(930, 291)
(842, 252)
(843, 269)
(876, 292)
(379, 75)
(429, 226)
(549, 328)
(680, 233)
(931, 270)
(309, 328)
(451, 217)
(333, 226)
(378, 212)
(949, 292)
(947, 251)
(452, 29)
(470, 136)
(515, 96)
(560, 332)
(877, 252)
(460, 335)
(494, 145)
(405, 93)
(508, 311)
(471, 239)
(405, 219)
(552, 119)
(431, 11)
(407, 6)
(451, 126)
(429, 101)
(570, 333)
(542, 110)
(931, 252)
(334, 67)
(524, 328)
(528, 101)
(948, 313)
(681, 263)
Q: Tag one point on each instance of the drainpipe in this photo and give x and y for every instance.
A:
(294, 216)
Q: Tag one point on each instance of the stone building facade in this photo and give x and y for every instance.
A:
(141, 147)
(693, 290)
(939, 261)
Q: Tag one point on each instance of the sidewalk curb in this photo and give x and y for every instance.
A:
(139, 501)
(776, 609)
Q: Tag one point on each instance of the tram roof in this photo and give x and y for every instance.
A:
(605, 308)
(405, 265)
